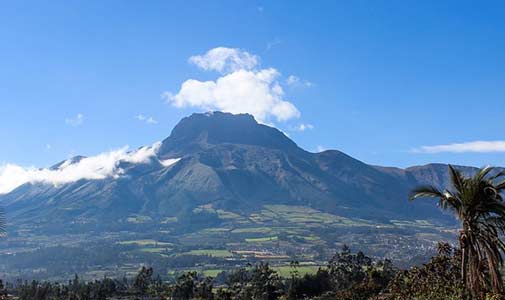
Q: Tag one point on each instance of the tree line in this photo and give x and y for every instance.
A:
(347, 276)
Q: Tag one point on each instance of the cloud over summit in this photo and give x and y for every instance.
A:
(242, 87)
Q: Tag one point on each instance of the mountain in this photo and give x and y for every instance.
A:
(228, 162)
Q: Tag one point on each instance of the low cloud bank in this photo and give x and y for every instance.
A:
(95, 167)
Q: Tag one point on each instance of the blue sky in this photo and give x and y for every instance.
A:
(376, 79)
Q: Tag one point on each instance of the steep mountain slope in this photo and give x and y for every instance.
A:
(233, 163)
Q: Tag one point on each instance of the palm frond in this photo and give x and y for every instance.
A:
(497, 175)
(482, 173)
(426, 191)
(457, 178)
(500, 186)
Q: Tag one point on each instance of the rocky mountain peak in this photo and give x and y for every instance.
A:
(212, 128)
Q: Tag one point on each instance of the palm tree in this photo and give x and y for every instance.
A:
(478, 205)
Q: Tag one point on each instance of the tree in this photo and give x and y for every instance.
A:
(143, 279)
(439, 279)
(265, 283)
(203, 290)
(346, 268)
(478, 205)
(184, 288)
(223, 294)
(238, 284)
(309, 285)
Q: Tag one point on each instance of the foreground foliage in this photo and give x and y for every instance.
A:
(348, 276)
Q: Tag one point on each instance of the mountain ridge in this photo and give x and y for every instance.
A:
(231, 162)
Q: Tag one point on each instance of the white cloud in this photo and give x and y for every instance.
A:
(225, 60)
(303, 127)
(75, 121)
(475, 147)
(292, 80)
(241, 89)
(169, 162)
(48, 147)
(142, 155)
(95, 167)
(148, 120)
(320, 148)
(254, 92)
(295, 81)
